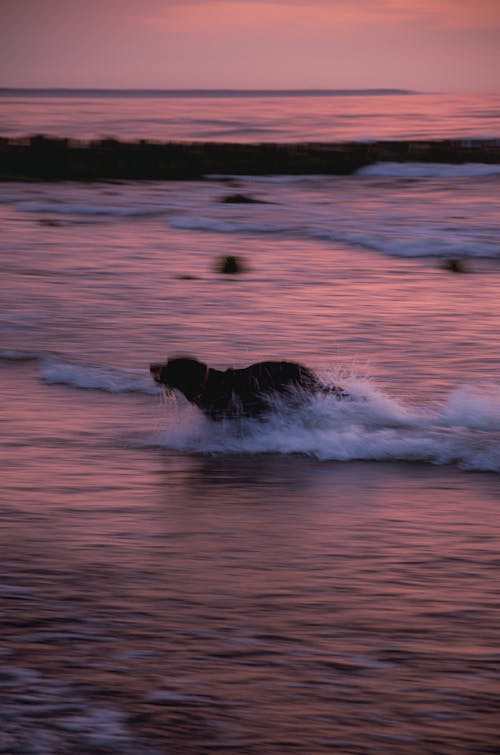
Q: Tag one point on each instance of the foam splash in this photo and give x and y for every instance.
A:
(111, 380)
(412, 241)
(88, 210)
(474, 407)
(368, 426)
(392, 231)
(429, 170)
(218, 225)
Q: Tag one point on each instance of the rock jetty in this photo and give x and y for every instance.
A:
(48, 158)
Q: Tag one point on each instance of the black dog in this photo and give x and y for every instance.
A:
(237, 393)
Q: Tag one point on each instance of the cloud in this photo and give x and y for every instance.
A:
(443, 14)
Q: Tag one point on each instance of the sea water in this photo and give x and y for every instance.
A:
(325, 579)
(249, 116)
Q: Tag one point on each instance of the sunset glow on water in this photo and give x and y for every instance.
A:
(322, 579)
(261, 117)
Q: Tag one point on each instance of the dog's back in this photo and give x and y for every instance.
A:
(241, 392)
(246, 391)
(271, 377)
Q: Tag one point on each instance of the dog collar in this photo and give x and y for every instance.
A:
(205, 380)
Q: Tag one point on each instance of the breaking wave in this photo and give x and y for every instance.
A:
(109, 379)
(19, 355)
(89, 210)
(219, 225)
(381, 235)
(370, 425)
(429, 170)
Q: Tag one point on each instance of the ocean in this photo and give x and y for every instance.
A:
(249, 116)
(324, 579)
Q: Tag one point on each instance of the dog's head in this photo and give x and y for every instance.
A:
(182, 373)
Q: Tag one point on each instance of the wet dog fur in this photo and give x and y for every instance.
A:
(233, 393)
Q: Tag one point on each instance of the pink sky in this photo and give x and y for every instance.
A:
(434, 45)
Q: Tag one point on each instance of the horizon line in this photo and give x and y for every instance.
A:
(207, 91)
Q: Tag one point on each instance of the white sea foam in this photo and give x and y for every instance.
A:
(370, 425)
(393, 225)
(474, 407)
(414, 241)
(219, 225)
(408, 239)
(429, 170)
(367, 425)
(88, 209)
(111, 380)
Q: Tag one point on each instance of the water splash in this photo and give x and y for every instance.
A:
(369, 426)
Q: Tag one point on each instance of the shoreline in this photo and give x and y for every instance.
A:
(46, 158)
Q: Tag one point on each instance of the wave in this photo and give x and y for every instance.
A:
(111, 380)
(79, 209)
(429, 170)
(413, 242)
(201, 93)
(271, 179)
(57, 370)
(371, 426)
(380, 236)
(19, 355)
(226, 226)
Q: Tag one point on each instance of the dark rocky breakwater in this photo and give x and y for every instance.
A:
(44, 158)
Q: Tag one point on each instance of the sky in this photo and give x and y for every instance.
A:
(427, 45)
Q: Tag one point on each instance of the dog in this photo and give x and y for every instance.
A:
(238, 393)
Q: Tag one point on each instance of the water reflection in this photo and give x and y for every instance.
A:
(252, 604)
